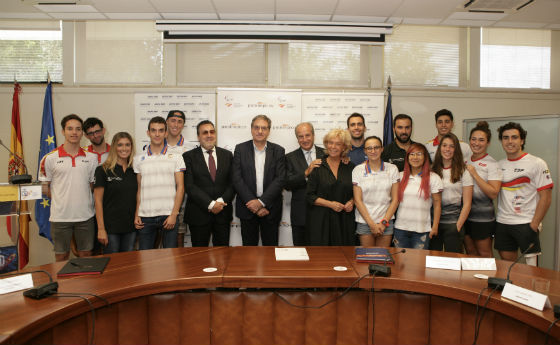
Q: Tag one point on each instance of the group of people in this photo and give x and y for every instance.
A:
(354, 190)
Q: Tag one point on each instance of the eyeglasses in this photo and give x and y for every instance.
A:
(94, 132)
(261, 128)
(373, 148)
(211, 131)
(416, 154)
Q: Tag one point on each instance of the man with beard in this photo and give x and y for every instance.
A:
(93, 128)
(356, 127)
(395, 152)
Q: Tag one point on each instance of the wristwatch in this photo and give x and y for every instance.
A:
(385, 222)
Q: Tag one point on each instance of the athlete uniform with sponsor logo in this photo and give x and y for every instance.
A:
(522, 179)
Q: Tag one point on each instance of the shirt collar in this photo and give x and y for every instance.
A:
(62, 152)
(257, 150)
(436, 141)
(163, 151)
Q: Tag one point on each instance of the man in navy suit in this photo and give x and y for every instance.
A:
(258, 177)
(299, 164)
(210, 192)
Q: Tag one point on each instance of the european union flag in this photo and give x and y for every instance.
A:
(48, 143)
(388, 122)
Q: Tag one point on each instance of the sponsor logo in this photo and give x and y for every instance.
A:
(234, 125)
(482, 164)
(518, 170)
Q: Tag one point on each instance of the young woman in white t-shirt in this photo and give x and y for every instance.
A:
(375, 185)
(418, 190)
(456, 198)
(487, 175)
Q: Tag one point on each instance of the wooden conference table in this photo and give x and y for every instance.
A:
(166, 297)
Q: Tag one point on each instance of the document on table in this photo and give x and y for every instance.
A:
(478, 264)
(443, 262)
(291, 254)
(24, 281)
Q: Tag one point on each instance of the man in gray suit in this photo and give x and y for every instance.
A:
(259, 171)
(299, 164)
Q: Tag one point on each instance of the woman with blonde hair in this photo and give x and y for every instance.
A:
(114, 192)
(330, 217)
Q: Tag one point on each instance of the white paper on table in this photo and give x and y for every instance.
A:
(526, 297)
(32, 192)
(291, 254)
(24, 281)
(478, 264)
(443, 262)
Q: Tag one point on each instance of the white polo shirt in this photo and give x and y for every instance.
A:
(414, 211)
(376, 188)
(482, 209)
(70, 178)
(452, 196)
(157, 188)
(522, 179)
(101, 156)
(180, 148)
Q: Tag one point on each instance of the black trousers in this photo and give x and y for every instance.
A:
(200, 234)
(298, 235)
(268, 229)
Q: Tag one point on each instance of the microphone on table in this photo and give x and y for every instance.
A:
(384, 270)
(500, 283)
(18, 179)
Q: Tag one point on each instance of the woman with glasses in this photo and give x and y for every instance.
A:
(330, 215)
(376, 186)
(457, 194)
(419, 189)
(114, 192)
(480, 227)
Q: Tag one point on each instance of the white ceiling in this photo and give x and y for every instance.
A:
(538, 14)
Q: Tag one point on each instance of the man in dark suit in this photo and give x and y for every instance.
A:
(299, 164)
(209, 188)
(258, 177)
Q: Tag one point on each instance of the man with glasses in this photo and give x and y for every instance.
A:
(93, 128)
(259, 171)
(208, 180)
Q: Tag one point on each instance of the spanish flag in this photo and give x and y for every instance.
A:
(15, 167)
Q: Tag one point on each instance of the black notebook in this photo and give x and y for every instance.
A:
(80, 266)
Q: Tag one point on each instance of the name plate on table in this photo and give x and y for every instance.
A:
(291, 254)
(443, 262)
(526, 297)
(478, 264)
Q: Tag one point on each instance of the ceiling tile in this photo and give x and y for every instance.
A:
(308, 17)
(247, 16)
(135, 15)
(190, 16)
(541, 11)
(373, 8)
(359, 19)
(184, 6)
(77, 16)
(123, 6)
(16, 6)
(66, 8)
(477, 16)
(421, 21)
(306, 7)
(244, 6)
(428, 9)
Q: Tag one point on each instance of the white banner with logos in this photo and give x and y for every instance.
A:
(331, 110)
(197, 106)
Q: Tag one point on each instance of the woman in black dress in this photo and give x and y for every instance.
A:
(330, 215)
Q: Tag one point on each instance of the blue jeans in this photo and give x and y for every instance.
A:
(153, 226)
(411, 239)
(123, 242)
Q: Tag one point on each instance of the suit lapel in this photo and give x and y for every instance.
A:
(301, 160)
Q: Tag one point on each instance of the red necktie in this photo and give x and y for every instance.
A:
(211, 165)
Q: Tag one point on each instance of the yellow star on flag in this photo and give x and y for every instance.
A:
(50, 139)
(45, 203)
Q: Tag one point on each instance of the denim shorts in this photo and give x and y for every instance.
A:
(363, 229)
